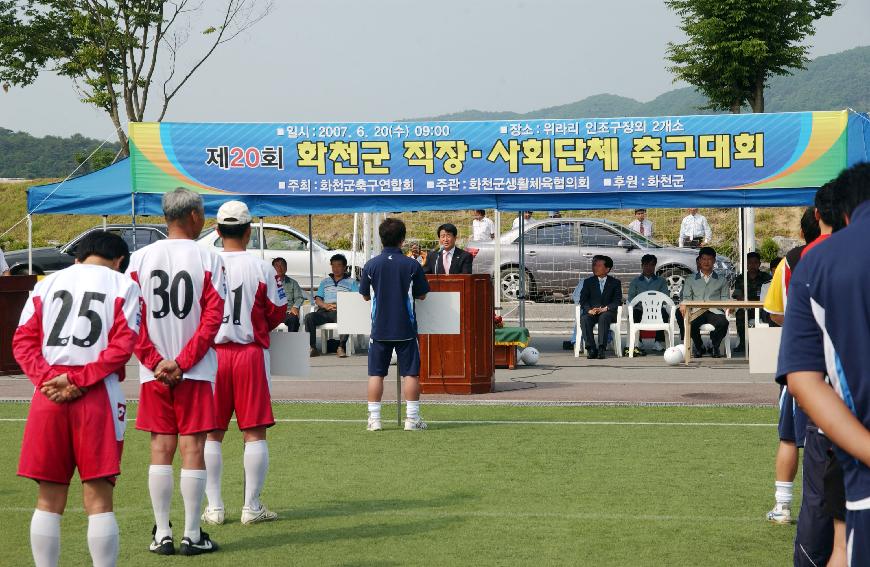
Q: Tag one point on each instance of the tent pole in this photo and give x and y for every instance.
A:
(354, 243)
(133, 218)
(310, 263)
(521, 292)
(105, 221)
(29, 244)
(262, 241)
(496, 260)
(366, 236)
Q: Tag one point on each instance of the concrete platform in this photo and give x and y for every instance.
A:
(558, 378)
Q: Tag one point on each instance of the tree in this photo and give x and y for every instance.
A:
(735, 46)
(114, 50)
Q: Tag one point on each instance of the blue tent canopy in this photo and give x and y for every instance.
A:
(110, 191)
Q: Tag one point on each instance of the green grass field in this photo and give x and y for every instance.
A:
(483, 486)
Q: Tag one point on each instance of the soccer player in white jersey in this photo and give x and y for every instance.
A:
(76, 332)
(255, 305)
(183, 289)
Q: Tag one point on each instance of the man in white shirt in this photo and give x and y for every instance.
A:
(640, 225)
(481, 227)
(527, 216)
(695, 231)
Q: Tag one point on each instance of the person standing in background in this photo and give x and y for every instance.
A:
(695, 231)
(481, 227)
(640, 225)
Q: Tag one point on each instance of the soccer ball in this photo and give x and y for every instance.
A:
(675, 355)
(530, 356)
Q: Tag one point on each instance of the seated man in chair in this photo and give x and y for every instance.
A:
(600, 298)
(326, 300)
(705, 285)
(648, 281)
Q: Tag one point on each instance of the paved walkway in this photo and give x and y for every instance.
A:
(559, 377)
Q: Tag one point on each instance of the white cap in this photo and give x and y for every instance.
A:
(233, 212)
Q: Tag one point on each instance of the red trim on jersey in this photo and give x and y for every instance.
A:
(27, 348)
(813, 244)
(145, 350)
(212, 306)
(122, 339)
(272, 315)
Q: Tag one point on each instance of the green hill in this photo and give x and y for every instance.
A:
(831, 82)
(23, 155)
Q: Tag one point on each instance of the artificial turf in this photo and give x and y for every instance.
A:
(585, 486)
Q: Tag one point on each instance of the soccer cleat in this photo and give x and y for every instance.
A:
(204, 545)
(780, 515)
(251, 516)
(164, 547)
(415, 424)
(374, 424)
(213, 516)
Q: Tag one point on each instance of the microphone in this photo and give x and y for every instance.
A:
(440, 261)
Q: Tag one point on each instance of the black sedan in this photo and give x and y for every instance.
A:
(47, 260)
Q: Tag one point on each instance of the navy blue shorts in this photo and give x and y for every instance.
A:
(380, 353)
(814, 539)
(792, 419)
(858, 537)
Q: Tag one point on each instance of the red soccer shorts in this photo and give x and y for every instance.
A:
(86, 434)
(242, 385)
(185, 409)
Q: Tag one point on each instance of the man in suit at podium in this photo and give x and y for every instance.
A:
(600, 298)
(448, 259)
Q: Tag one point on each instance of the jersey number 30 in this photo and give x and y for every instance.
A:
(169, 294)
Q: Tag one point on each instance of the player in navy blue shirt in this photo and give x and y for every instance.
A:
(392, 281)
(827, 331)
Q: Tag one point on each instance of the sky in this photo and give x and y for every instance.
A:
(380, 60)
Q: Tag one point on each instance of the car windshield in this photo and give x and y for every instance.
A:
(644, 241)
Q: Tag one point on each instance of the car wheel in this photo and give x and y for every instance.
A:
(21, 270)
(674, 276)
(510, 284)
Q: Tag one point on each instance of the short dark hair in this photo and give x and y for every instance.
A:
(392, 232)
(639, 211)
(608, 261)
(338, 258)
(829, 208)
(449, 227)
(707, 251)
(755, 255)
(279, 259)
(233, 230)
(852, 187)
(480, 211)
(774, 263)
(809, 225)
(106, 245)
(647, 258)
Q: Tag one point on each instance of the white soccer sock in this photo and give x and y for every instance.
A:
(45, 538)
(412, 409)
(160, 484)
(783, 493)
(103, 539)
(192, 489)
(375, 410)
(256, 465)
(214, 465)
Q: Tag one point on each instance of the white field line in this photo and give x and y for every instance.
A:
(511, 422)
(440, 513)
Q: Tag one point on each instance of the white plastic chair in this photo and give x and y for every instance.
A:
(615, 328)
(651, 318)
(328, 330)
(708, 329)
(762, 295)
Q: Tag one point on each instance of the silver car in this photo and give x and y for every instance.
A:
(559, 251)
